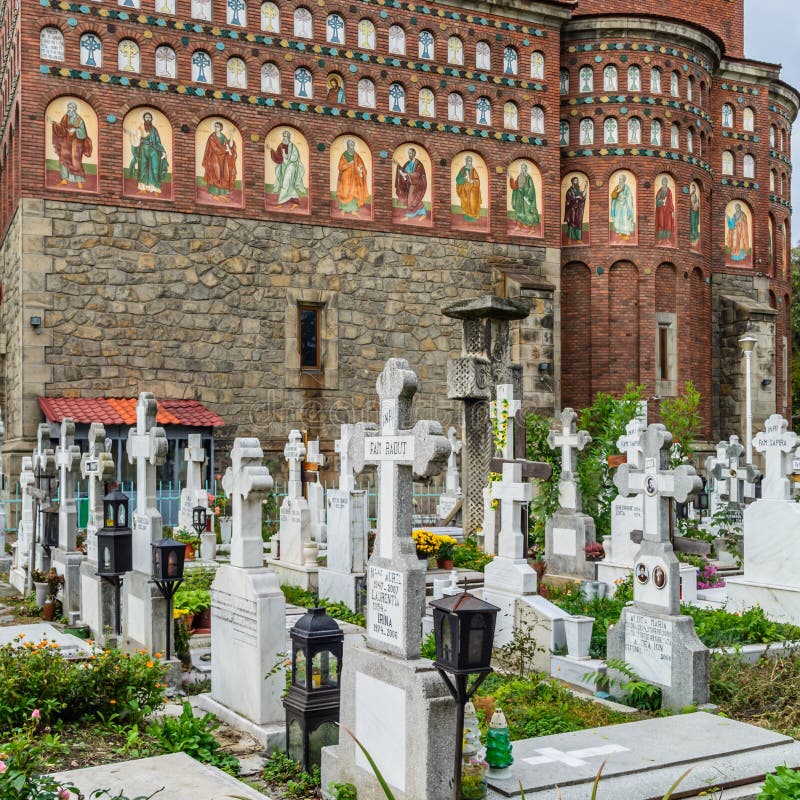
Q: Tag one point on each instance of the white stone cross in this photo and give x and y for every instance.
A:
(294, 452)
(657, 483)
(147, 448)
(347, 480)
(453, 479)
(26, 479)
(721, 457)
(776, 442)
(796, 461)
(731, 475)
(247, 482)
(97, 466)
(68, 456)
(570, 441)
(573, 758)
(503, 412)
(630, 443)
(44, 460)
(313, 454)
(400, 452)
(195, 457)
(512, 491)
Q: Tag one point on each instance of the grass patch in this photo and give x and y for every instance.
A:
(338, 610)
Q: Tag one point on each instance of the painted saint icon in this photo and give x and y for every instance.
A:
(666, 226)
(469, 193)
(694, 217)
(286, 158)
(738, 235)
(71, 139)
(523, 197)
(574, 207)
(351, 179)
(218, 162)
(147, 153)
(622, 208)
(412, 198)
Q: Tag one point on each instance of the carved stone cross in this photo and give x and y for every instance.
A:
(314, 457)
(247, 483)
(570, 441)
(657, 483)
(294, 452)
(630, 443)
(731, 475)
(720, 457)
(453, 479)
(503, 413)
(97, 466)
(67, 456)
(347, 480)
(776, 443)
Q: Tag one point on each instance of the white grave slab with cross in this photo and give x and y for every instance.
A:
(348, 527)
(97, 467)
(732, 475)
(295, 528)
(715, 499)
(315, 492)
(776, 443)
(194, 493)
(248, 628)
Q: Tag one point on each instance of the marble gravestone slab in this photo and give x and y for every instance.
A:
(644, 758)
(69, 646)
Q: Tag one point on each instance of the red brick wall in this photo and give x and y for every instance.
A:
(576, 336)
(623, 321)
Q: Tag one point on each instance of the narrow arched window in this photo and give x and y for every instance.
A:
(675, 136)
(455, 51)
(427, 103)
(749, 119)
(537, 65)
(727, 162)
(483, 56)
(537, 119)
(610, 79)
(270, 17)
(510, 116)
(303, 23)
(128, 56)
(91, 50)
(303, 83)
(366, 34)
(634, 131)
(236, 73)
(749, 166)
(655, 133)
(563, 133)
(366, 93)
(166, 62)
(586, 132)
(727, 115)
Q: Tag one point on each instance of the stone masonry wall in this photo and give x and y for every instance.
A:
(189, 306)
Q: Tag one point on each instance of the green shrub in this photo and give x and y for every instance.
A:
(192, 600)
(289, 775)
(193, 736)
(469, 555)
(198, 578)
(337, 610)
(783, 785)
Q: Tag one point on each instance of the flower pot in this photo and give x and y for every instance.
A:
(42, 590)
(49, 610)
(593, 589)
(208, 546)
(310, 551)
(225, 528)
(202, 621)
(189, 552)
(616, 460)
(578, 630)
(444, 563)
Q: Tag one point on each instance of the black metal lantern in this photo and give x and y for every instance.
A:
(50, 532)
(114, 539)
(681, 510)
(463, 629)
(199, 518)
(168, 558)
(312, 703)
(701, 501)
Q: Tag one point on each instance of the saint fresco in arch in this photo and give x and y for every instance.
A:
(351, 178)
(524, 197)
(218, 163)
(694, 217)
(575, 210)
(665, 216)
(147, 154)
(412, 190)
(286, 169)
(738, 235)
(622, 208)
(71, 145)
(469, 193)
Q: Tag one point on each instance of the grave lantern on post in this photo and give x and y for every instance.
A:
(115, 546)
(312, 703)
(168, 558)
(50, 532)
(463, 629)
(199, 519)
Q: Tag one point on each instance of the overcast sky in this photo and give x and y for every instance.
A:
(772, 33)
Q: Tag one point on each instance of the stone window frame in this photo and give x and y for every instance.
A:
(327, 377)
(667, 387)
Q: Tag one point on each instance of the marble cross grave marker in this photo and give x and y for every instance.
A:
(341, 446)
(731, 475)
(718, 488)
(67, 456)
(630, 442)
(97, 466)
(193, 494)
(503, 413)
(147, 448)
(395, 577)
(294, 452)
(452, 478)
(315, 491)
(776, 442)
(247, 482)
(570, 440)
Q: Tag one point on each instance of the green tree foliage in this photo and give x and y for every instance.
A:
(681, 416)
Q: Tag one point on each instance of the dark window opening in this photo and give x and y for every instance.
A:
(663, 352)
(309, 337)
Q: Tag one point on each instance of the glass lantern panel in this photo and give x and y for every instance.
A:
(325, 670)
(294, 747)
(106, 559)
(300, 668)
(121, 516)
(109, 515)
(477, 640)
(325, 735)
(172, 565)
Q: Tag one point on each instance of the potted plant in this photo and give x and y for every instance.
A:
(55, 582)
(190, 539)
(197, 603)
(40, 586)
(427, 544)
(473, 778)
(594, 551)
(446, 552)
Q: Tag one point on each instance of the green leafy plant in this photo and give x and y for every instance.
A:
(290, 777)
(470, 555)
(681, 416)
(343, 791)
(192, 600)
(636, 692)
(337, 610)
(193, 736)
(783, 784)
(198, 578)
(381, 780)
(186, 537)
(428, 649)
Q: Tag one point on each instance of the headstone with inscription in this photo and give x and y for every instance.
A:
(652, 636)
(394, 702)
(731, 476)
(315, 492)
(716, 489)
(143, 624)
(452, 495)
(569, 530)
(22, 547)
(193, 494)
(626, 517)
(771, 576)
(343, 575)
(248, 632)
(297, 563)
(97, 596)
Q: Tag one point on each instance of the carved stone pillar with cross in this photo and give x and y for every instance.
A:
(5, 560)
(652, 636)
(343, 576)
(731, 476)
(98, 610)
(385, 679)
(717, 488)
(568, 531)
(143, 624)
(194, 493)
(248, 608)
(771, 578)
(485, 363)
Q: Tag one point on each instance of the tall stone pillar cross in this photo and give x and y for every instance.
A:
(347, 480)
(657, 483)
(67, 456)
(630, 442)
(44, 460)
(97, 466)
(503, 412)
(513, 493)
(570, 440)
(732, 475)
(719, 488)
(247, 482)
(776, 443)
(294, 452)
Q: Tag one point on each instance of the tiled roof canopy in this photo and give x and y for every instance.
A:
(122, 411)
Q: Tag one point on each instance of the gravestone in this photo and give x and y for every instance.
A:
(44, 469)
(395, 703)
(315, 492)
(659, 643)
(732, 476)
(5, 560)
(98, 609)
(720, 457)
(248, 609)
(143, 607)
(568, 531)
(194, 493)
(297, 563)
(451, 496)
(485, 363)
(66, 558)
(771, 524)
(22, 547)
(343, 576)
(626, 517)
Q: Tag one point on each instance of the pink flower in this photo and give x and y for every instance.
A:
(35, 714)
(216, 510)
(3, 767)
(63, 794)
